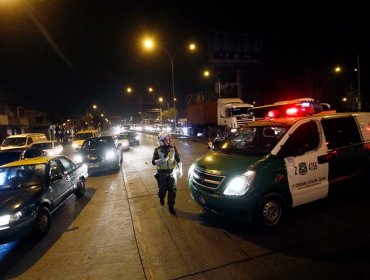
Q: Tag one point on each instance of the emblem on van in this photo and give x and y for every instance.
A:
(302, 168)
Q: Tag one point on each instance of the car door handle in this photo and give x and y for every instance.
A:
(327, 157)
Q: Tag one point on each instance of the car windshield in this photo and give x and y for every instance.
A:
(43, 146)
(6, 157)
(96, 143)
(253, 140)
(82, 136)
(21, 176)
(18, 141)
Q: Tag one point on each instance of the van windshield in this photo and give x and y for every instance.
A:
(16, 141)
(257, 140)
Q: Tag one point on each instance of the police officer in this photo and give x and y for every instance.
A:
(167, 160)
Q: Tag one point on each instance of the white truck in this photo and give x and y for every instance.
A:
(208, 116)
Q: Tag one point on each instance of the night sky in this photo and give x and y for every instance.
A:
(65, 55)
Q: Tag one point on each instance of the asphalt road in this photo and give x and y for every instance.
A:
(120, 231)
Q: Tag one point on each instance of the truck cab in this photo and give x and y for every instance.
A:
(232, 112)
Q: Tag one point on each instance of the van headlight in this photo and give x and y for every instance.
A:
(240, 184)
(110, 155)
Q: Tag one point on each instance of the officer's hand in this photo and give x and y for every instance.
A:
(161, 160)
(179, 168)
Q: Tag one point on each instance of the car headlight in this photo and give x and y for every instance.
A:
(191, 170)
(240, 184)
(8, 219)
(110, 155)
(77, 158)
(137, 137)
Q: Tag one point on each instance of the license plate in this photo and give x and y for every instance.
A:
(92, 165)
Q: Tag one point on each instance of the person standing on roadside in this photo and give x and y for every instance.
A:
(168, 163)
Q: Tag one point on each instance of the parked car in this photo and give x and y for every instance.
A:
(8, 156)
(22, 140)
(132, 137)
(123, 142)
(100, 153)
(271, 166)
(31, 189)
(52, 147)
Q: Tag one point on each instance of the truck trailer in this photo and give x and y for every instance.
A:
(208, 116)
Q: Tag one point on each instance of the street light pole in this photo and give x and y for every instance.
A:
(172, 58)
(358, 84)
(219, 85)
(207, 73)
(148, 43)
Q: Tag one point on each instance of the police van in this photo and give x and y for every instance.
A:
(272, 165)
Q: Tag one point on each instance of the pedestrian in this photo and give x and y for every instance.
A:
(169, 166)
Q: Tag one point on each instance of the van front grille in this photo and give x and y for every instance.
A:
(206, 180)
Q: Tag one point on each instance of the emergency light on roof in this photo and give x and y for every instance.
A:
(291, 111)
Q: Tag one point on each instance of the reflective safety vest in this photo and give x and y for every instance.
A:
(170, 163)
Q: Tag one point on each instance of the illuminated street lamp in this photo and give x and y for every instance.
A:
(160, 99)
(149, 44)
(207, 73)
(338, 69)
(130, 90)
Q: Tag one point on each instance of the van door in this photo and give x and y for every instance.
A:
(307, 178)
(346, 156)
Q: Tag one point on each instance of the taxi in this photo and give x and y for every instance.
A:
(272, 165)
(30, 191)
(81, 136)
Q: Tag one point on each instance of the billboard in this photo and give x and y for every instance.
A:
(233, 48)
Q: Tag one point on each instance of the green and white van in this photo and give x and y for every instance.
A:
(270, 166)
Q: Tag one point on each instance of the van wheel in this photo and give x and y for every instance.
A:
(269, 212)
(42, 223)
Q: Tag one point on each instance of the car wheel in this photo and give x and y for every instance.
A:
(116, 166)
(80, 191)
(269, 212)
(42, 224)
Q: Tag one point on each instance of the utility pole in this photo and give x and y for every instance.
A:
(358, 84)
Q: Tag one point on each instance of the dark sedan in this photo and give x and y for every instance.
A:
(100, 153)
(132, 137)
(31, 189)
